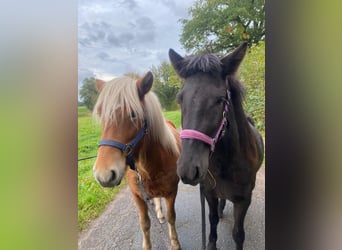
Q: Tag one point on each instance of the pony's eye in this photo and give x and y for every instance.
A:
(133, 115)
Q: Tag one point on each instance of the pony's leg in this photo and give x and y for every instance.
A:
(240, 210)
(158, 208)
(221, 205)
(145, 222)
(213, 219)
(171, 219)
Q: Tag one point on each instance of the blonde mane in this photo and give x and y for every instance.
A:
(121, 94)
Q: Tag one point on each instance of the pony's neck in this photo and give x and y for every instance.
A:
(239, 140)
(231, 138)
(149, 156)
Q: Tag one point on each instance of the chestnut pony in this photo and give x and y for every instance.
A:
(135, 134)
(221, 148)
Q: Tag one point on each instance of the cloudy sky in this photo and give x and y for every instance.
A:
(116, 37)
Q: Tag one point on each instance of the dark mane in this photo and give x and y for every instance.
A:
(247, 140)
(207, 63)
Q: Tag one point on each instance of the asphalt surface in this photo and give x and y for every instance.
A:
(118, 226)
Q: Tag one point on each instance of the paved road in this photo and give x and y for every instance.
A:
(118, 227)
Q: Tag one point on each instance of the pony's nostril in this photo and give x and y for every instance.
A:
(112, 178)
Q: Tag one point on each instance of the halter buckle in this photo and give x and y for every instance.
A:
(128, 149)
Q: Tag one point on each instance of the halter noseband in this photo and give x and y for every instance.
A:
(194, 134)
(127, 148)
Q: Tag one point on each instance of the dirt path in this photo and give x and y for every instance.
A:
(118, 227)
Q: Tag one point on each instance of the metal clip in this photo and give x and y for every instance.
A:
(128, 149)
(139, 176)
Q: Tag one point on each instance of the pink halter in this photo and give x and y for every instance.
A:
(194, 134)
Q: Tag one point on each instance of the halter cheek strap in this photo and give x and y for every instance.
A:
(126, 148)
(195, 134)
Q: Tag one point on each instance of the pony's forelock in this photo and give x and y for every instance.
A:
(117, 98)
(206, 63)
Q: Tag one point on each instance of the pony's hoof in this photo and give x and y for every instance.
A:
(175, 245)
(211, 246)
(161, 220)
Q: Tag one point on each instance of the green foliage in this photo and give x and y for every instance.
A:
(88, 92)
(92, 198)
(166, 85)
(252, 75)
(220, 25)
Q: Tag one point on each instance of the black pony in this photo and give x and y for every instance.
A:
(221, 148)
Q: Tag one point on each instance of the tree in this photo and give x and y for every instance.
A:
(166, 85)
(221, 25)
(88, 92)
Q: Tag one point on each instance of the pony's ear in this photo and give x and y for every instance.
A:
(144, 84)
(176, 61)
(99, 84)
(232, 61)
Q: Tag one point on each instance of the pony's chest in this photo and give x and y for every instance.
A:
(230, 172)
(228, 182)
(160, 186)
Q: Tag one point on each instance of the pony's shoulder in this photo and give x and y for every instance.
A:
(170, 123)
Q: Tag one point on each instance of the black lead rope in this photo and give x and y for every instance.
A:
(203, 216)
(86, 158)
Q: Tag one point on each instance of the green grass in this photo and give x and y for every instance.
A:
(174, 116)
(83, 112)
(92, 198)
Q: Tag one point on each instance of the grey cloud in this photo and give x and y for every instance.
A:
(146, 37)
(92, 32)
(84, 41)
(126, 37)
(145, 23)
(130, 4)
(106, 57)
(114, 40)
(103, 56)
(179, 8)
(132, 24)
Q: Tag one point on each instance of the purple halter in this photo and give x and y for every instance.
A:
(194, 134)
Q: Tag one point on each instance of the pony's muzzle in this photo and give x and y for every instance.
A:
(190, 172)
(108, 179)
(109, 167)
(191, 177)
(192, 166)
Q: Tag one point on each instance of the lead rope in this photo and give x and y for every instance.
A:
(147, 200)
(203, 216)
